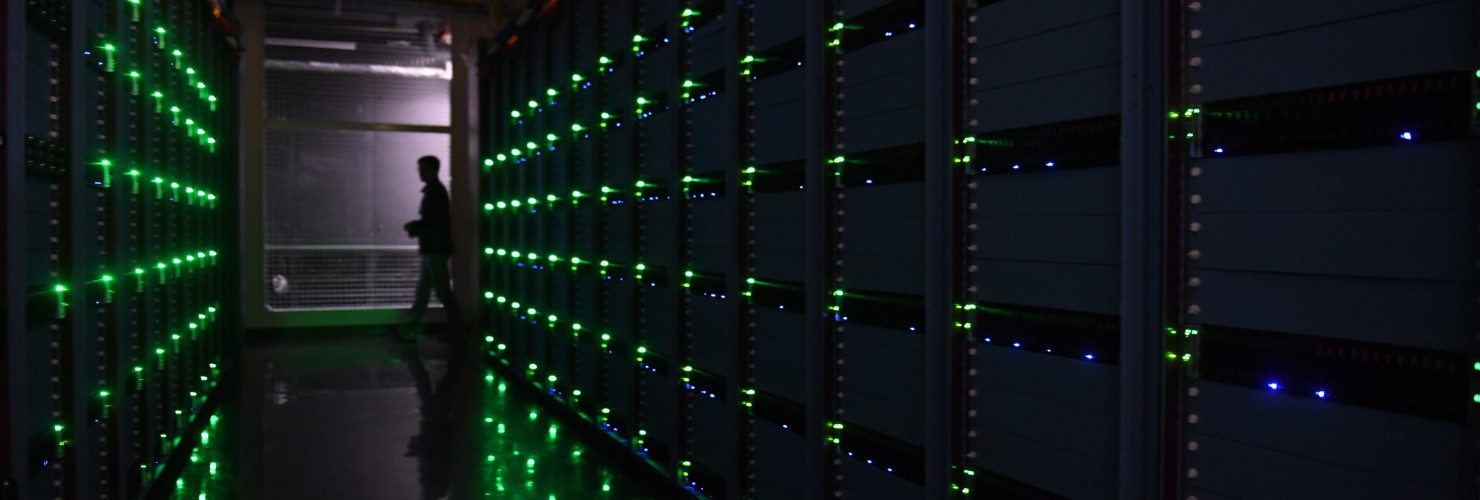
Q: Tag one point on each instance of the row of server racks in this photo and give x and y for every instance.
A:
(1197, 249)
(119, 122)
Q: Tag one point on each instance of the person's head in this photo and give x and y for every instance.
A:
(428, 166)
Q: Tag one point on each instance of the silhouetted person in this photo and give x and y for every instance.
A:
(434, 235)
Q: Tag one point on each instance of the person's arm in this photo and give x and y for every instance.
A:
(436, 213)
(414, 228)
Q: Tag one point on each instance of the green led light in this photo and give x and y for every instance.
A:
(576, 127)
(503, 205)
(515, 113)
(575, 77)
(605, 60)
(642, 267)
(606, 116)
(641, 350)
(488, 251)
(488, 206)
(637, 38)
(532, 146)
(605, 263)
(488, 162)
(550, 137)
(642, 101)
(551, 92)
(533, 104)
(516, 152)
(487, 295)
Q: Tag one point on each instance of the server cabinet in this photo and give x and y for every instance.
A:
(1005, 249)
(120, 121)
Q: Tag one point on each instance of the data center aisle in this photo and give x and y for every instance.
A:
(365, 417)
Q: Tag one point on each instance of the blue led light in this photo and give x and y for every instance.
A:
(1273, 386)
(1049, 164)
(1407, 136)
(888, 33)
(1218, 150)
(1321, 394)
(1090, 357)
(1017, 344)
(1015, 167)
(912, 25)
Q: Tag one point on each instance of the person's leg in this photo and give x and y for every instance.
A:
(423, 291)
(442, 283)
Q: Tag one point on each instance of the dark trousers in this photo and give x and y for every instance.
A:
(434, 277)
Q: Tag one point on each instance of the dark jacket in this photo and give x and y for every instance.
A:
(434, 231)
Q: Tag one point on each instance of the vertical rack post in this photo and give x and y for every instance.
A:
(1143, 164)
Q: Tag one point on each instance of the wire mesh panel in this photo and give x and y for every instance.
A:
(336, 201)
(356, 92)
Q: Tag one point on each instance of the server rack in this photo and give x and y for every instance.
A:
(119, 122)
(1006, 249)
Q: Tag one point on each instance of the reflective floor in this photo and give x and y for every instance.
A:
(366, 417)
